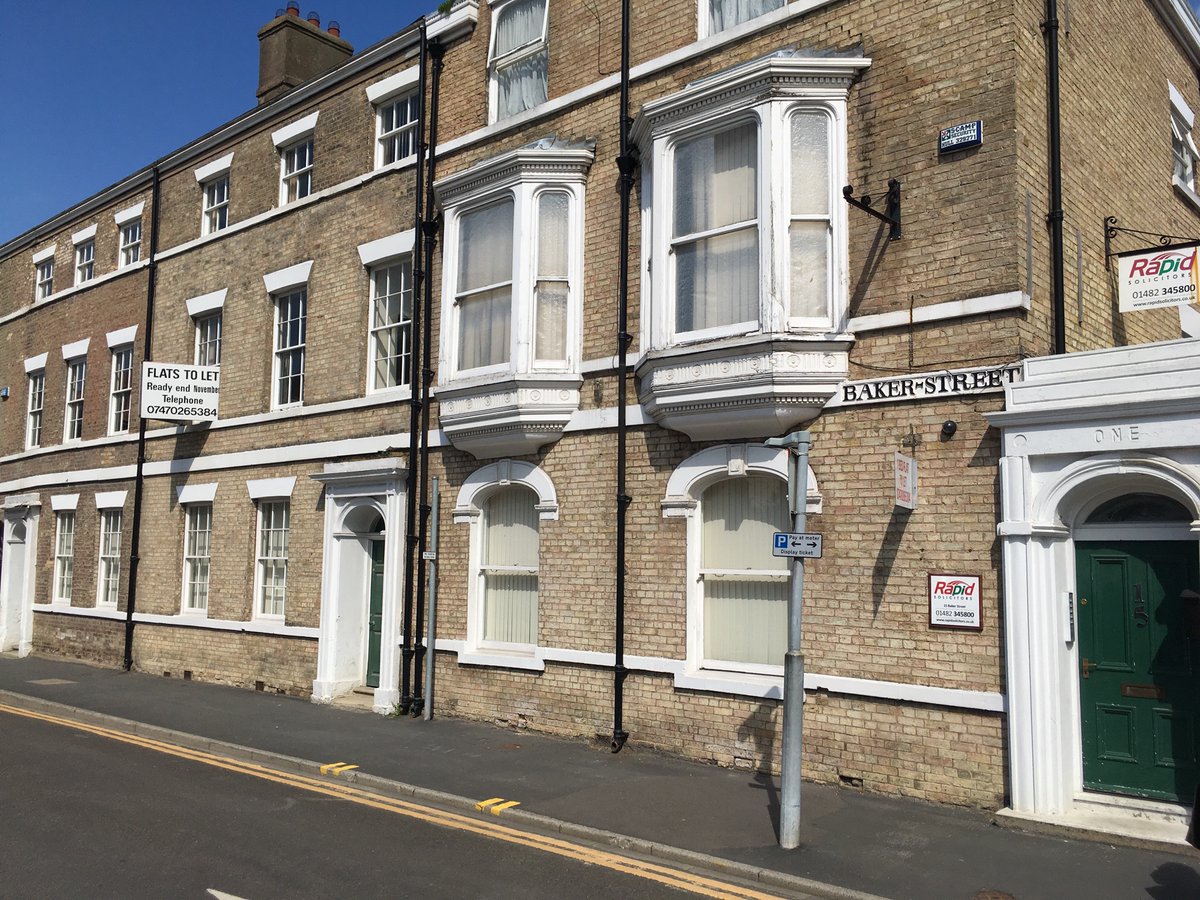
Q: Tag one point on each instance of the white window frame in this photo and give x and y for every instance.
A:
(520, 176)
(108, 565)
(264, 559)
(214, 204)
(131, 244)
(383, 139)
(73, 407)
(704, 18)
(280, 351)
(35, 407)
(685, 488)
(44, 279)
(213, 320)
(190, 563)
(1185, 156)
(519, 54)
(120, 402)
(85, 261)
(293, 173)
(767, 91)
(375, 330)
(469, 510)
(64, 555)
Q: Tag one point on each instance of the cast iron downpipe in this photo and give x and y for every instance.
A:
(139, 482)
(429, 230)
(1055, 218)
(625, 166)
(414, 416)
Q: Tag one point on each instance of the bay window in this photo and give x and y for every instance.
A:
(744, 238)
(512, 302)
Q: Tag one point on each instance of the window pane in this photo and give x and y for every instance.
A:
(552, 234)
(745, 616)
(550, 342)
(727, 13)
(483, 338)
(716, 281)
(521, 85)
(485, 254)
(510, 539)
(810, 164)
(810, 269)
(518, 24)
(716, 180)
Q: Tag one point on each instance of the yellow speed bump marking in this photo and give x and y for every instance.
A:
(496, 805)
(337, 768)
(653, 871)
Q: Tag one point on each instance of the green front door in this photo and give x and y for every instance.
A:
(375, 614)
(1140, 672)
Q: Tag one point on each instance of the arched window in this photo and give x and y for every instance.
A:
(744, 588)
(509, 566)
(504, 503)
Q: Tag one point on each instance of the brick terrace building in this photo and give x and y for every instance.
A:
(276, 543)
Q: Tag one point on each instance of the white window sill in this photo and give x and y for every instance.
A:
(768, 687)
(502, 659)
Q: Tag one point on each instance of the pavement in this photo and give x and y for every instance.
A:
(854, 844)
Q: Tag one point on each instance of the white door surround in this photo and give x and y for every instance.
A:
(18, 572)
(356, 493)
(1078, 430)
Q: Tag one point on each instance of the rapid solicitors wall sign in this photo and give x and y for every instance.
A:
(1161, 276)
(177, 393)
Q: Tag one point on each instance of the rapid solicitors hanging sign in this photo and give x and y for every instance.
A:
(176, 393)
(1160, 276)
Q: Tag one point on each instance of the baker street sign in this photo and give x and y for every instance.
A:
(925, 385)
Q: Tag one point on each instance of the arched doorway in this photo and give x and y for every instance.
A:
(361, 582)
(1139, 661)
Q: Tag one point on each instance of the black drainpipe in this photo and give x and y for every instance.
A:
(625, 165)
(410, 510)
(429, 230)
(1055, 217)
(139, 479)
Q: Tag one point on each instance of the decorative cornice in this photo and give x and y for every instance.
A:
(509, 417)
(780, 76)
(541, 162)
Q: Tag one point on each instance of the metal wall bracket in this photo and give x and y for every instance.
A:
(1112, 229)
(891, 216)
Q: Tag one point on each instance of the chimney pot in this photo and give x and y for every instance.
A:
(334, 28)
(293, 8)
(278, 13)
(314, 19)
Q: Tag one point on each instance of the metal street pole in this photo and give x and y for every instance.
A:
(797, 444)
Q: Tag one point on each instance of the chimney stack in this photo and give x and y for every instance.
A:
(291, 50)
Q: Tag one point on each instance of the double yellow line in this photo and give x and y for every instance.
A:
(677, 878)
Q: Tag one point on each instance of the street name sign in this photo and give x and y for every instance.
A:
(798, 545)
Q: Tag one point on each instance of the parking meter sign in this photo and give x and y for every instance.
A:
(798, 545)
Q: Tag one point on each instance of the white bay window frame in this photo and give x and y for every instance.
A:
(506, 60)
(523, 187)
(766, 92)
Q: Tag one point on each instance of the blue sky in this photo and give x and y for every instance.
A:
(95, 91)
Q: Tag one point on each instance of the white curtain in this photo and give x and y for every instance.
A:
(727, 13)
(485, 266)
(745, 609)
(553, 288)
(520, 84)
(716, 187)
(810, 229)
(510, 566)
